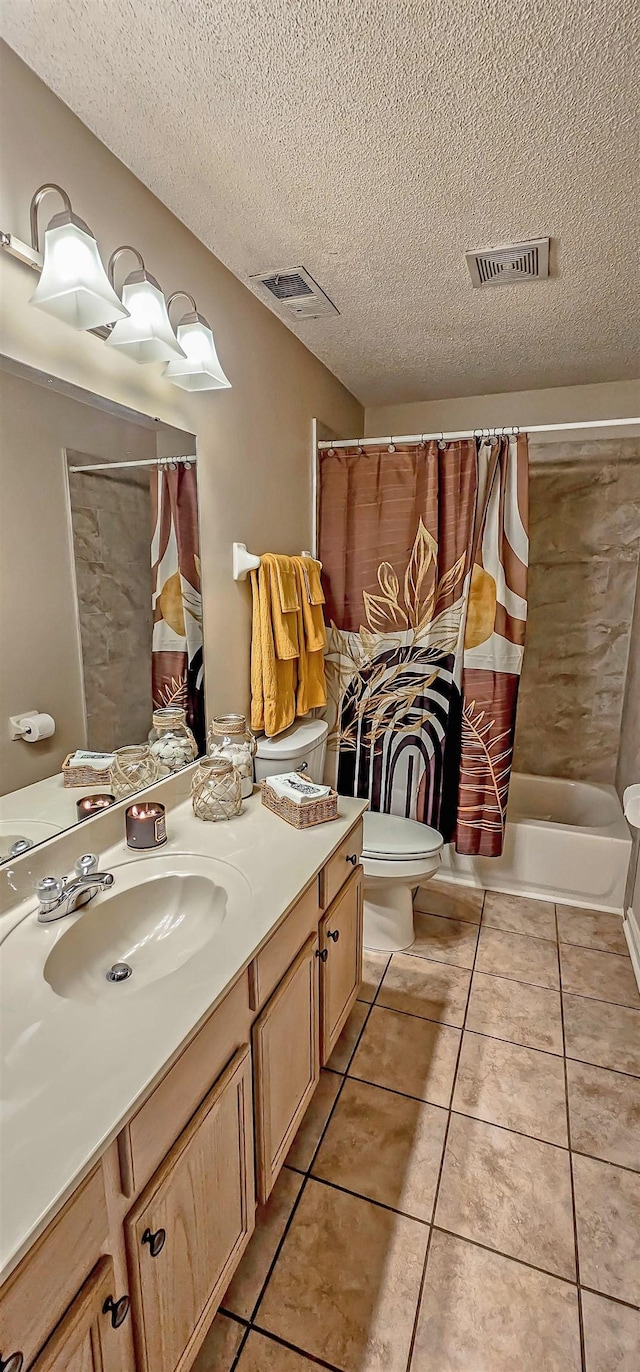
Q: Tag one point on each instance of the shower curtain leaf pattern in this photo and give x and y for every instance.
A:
(422, 721)
(177, 650)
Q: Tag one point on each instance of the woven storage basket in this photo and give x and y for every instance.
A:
(302, 816)
(83, 776)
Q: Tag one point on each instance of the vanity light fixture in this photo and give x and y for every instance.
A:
(73, 284)
(201, 369)
(146, 334)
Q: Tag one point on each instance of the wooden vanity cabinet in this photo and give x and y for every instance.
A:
(87, 1338)
(186, 1233)
(341, 962)
(286, 1063)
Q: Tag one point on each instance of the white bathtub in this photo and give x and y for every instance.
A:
(566, 841)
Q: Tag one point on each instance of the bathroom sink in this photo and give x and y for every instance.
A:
(159, 914)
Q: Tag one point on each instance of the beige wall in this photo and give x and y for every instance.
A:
(254, 441)
(629, 754)
(40, 665)
(559, 405)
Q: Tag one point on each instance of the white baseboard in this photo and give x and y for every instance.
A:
(632, 934)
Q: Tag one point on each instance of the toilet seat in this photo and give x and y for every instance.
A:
(390, 838)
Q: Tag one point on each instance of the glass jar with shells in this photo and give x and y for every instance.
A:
(216, 790)
(228, 736)
(171, 740)
(133, 768)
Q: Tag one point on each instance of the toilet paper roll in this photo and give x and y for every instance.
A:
(35, 727)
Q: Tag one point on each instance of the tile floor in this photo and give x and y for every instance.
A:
(464, 1192)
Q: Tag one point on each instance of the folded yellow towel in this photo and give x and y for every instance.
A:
(312, 684)
(312, 600)
(283, 585)
(273, 680)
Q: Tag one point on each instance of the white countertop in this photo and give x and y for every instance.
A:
(74, 1072)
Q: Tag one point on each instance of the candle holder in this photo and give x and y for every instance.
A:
(92, 805)
(146, 825)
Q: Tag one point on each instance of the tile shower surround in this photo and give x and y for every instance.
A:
(464, 1192)
(584, 527)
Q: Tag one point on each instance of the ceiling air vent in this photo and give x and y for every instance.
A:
(514, 262)
(297, 292)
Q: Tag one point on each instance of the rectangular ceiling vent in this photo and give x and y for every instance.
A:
(297, 292)
(515, 262)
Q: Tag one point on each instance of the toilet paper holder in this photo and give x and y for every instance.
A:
(22, 724)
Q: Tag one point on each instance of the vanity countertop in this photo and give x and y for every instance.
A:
(74, 1072)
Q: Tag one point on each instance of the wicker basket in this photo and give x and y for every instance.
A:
(84, 776)
(302, 816)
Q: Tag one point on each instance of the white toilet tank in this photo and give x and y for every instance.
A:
(304, 744)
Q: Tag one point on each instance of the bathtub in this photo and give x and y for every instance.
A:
(566, 841)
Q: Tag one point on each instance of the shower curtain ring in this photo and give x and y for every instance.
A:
(441, 443)
(392, 447)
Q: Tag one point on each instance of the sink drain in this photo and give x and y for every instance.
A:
(119, 972)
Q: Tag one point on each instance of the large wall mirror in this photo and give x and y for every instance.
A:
(100, 611)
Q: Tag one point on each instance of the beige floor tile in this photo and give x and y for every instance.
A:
(220, 1346)
(418, 986)
(341, 1055)
(608, 1220)
(520, 915)
(385, 1147)
(611, 1335)
(606, 1035)
(271, 1221)
(444, 940)
(508, 1192)
(347, 1280)
(604, 976)
(310, 1132)
(605, 1114)
(591, 929)
(451, 900)
(481, 1312)
(262, 1354)
(519, 1088)
(408, 1054)
(532, 960)
(374, 966)
(529, 1015)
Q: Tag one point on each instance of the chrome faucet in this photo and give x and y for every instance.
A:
(58, 897)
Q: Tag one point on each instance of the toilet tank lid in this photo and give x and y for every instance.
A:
(394, 837)
(301, 737)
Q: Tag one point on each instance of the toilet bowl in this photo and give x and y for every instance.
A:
(397, 855)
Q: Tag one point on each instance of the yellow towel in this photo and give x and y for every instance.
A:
(312, 600)
(273, 680)
(285, 604)
(312, 684)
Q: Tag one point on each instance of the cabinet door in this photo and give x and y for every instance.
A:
(86, 1340)
(286, 1056)
(341, 940)
(187, 1231)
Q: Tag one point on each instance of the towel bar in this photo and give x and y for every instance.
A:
(245, 562)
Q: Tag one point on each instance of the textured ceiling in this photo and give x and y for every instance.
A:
(373, 141)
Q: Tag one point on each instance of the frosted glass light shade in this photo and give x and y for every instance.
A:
(73, 284)
(146, 335)
(201, 371)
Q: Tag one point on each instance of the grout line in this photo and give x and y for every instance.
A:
(295, 1348)
(606, 1296)
(445, 1140)
(370, 1200)
(500, 1253)
(571, 1177)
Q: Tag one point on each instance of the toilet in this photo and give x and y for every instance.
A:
(397, 854)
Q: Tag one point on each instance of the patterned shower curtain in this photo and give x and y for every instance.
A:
(177, 658)
(421, 547)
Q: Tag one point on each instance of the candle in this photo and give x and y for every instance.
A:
(91, 805)
(146, 825)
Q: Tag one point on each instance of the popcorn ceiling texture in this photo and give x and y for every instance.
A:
(374, 141)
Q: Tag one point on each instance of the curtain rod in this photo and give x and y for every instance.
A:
(498, 432)
(142, 462)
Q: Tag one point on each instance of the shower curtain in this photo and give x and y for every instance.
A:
(424, 553)
(177, 659)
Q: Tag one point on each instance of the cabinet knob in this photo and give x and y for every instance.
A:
(321, 953)
(14, 1363)
(352, 858)
(117, 1309)
(334, 934)
(155, 1241)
